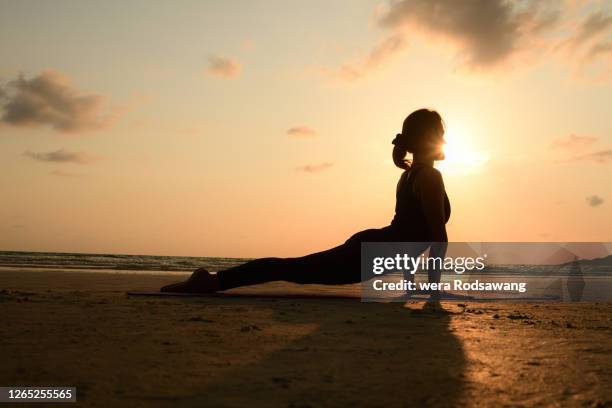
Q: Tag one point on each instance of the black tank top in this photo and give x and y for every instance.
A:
(409, 221)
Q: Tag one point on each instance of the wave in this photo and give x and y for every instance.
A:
(59, 260)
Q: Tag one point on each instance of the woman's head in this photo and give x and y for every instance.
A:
(422, 135)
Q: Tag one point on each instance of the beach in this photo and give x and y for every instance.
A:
(74, 328)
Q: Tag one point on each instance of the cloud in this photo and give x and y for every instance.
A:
(598, 49)
(577, 143)
(49, 99)
(594, 200)
(573, 142)
(302, 131)
(588, 46)
(223, 67)
(61, 156)
(595, 24)
(601, 157)
(380, 54)
(313, 168)
(62, 173)
(489, 35)
(486, 32)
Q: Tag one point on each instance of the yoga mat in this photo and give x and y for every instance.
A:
(246, 294)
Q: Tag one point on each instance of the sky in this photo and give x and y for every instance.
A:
(264, 128)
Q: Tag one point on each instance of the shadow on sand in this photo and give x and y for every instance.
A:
(357, 355)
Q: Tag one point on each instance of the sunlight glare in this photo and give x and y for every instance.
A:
(461, 157)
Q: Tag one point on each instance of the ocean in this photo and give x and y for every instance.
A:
(593, 278)
(113, 262)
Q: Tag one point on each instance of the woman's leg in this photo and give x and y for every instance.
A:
(332, 267)
(339, 265)
(336, 266)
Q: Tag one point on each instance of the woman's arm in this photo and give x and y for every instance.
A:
(430, 188)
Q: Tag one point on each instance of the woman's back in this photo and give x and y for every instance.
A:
(409, 221)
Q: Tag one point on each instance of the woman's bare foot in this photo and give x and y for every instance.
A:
(200, 281)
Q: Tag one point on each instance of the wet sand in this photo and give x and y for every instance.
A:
(81, 329)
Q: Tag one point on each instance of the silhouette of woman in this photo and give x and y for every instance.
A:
(421, 212)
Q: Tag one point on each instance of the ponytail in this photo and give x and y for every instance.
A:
(415, 128)
(399, 153)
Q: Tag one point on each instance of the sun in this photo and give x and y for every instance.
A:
(460, 156)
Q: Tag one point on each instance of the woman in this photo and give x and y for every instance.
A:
(421, 212)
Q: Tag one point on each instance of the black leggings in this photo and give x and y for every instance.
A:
(336, 266)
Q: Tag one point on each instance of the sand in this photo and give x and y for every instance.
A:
(81, 329)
